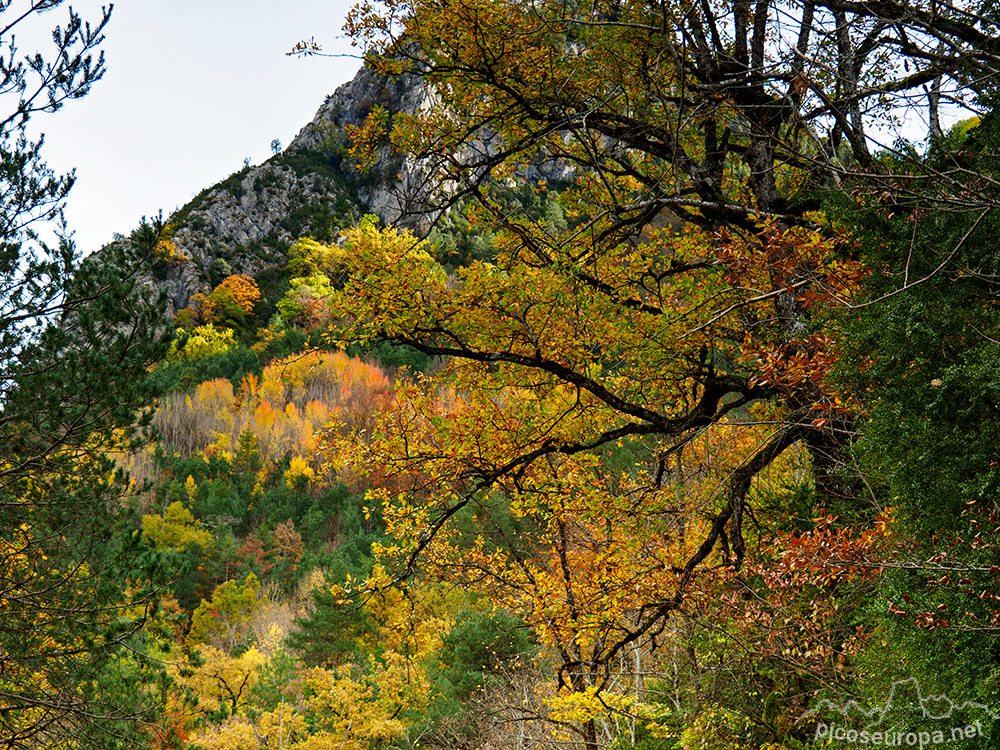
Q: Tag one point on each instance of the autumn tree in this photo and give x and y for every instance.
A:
(234, 297)
(655, 111)
(642, 351)
(222, 621)
(376, 698)
(227, 305)
(707, 108)
(689, 287)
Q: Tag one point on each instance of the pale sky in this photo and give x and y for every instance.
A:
(193, 87)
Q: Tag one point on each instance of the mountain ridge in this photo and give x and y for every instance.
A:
(247, 222)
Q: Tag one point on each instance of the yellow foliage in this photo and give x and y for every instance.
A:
(221, 680)
(176, 528)
(285, 410)
(308, 257)
(240, 289)
(191, 488)
(166, 249)
(203, 341)
(299, 474)
(717, 728)
(354, 706)
(366, 241)
(305, 303)
(358, 711)
(412, 620)
(584, 706)
(236, 733)
(224, 620)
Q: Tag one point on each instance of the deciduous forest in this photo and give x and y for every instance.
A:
(666, 417)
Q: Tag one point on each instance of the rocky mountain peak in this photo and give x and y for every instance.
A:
(248, 222)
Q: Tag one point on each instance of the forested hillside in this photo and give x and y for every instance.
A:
(592, 376)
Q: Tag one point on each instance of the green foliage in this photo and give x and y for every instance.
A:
(309, 163)
(455, 243)
(645, 739)
(202, 341)
(275, 683)
(283, 342)
(76, 340)
(923, 356)
(229, 497)
(391, 356)
(247, 461)
(791, 510)
(273, 283)
(318, 218)
(483, 646)
(232, 364)
(304, 302)
(926, 365)
(717, 728)
(72, 569)
(196, 576)
(176, 529)
(333, 632)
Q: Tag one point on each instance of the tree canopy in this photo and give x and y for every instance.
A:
(703, 437)
(691, 304)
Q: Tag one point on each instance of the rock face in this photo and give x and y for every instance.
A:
(247, 222)
(396, 188)
(390, 189)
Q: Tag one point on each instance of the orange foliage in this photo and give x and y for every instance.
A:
(243, 289)
(197, 313)
(288, 542)
(595, 542)
(232, 299)
(796, 600)
(286, 409)
(253, 547)
(166, 250)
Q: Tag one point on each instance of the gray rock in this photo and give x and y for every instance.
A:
(247, 222)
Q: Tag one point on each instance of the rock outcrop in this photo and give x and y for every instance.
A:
(247, 222)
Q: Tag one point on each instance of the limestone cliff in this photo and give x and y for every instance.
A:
(247, 222)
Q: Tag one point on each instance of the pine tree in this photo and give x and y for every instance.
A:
(76, 339)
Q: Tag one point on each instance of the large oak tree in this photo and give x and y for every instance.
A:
(688, 292)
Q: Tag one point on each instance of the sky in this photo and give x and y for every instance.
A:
(192, 89)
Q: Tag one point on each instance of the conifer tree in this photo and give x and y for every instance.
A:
(76, 338)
